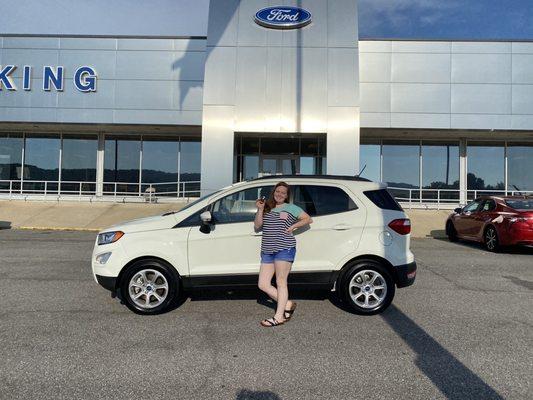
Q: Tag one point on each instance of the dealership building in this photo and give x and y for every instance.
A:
(174, 98)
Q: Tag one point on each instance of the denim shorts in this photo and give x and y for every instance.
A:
(282, 255)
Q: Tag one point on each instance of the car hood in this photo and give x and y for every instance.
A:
(156, 222)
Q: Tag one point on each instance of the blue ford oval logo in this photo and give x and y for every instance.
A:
(281, 17)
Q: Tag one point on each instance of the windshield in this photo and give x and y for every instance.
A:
(520, 204)
(194, 202)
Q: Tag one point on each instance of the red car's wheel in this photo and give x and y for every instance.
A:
(451, 232)
(491, 240)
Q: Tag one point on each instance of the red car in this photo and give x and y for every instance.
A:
(494, 221)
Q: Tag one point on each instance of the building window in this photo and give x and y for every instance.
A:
(41, 163)
(78, 163)
(121, 164)
(440, 170)
(160, 165)
(256, 156)
(486, 166)
(190, 166)
(11, 156)
(520, 166)
(401, 168)
(370, 161)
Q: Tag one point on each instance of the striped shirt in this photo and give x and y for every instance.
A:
(275, 223)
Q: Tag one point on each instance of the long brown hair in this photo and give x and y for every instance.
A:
(271, 203)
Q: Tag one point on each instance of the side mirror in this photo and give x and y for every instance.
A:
(458, 210)
(206, 217)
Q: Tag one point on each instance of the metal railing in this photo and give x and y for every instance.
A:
(175, 191)
(445, 198)
(109, 191)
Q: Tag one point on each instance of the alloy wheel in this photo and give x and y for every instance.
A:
(368, 289)
(148, 288)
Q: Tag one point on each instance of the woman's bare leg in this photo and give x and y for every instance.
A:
(282, 269)
(266, 272)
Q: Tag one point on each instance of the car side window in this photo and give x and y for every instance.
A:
(472, 207)
(239, 206)
(488, 205)
(322, 200)
(192, 220)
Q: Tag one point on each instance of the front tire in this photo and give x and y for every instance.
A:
(368, 287)
(490, 238)
(149, 287)
(451, 232)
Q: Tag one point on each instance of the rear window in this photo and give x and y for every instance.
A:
(520, 204)
(383, 199)
(322, 200)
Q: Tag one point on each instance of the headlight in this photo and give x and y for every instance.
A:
(109, 237)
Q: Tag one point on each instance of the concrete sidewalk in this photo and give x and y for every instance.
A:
(65, 215)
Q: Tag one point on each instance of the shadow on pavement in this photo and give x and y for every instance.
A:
(246, 394)
(448, 374)
(5, 225)
(479, 246)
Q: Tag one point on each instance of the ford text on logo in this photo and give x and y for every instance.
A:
(283, 17)
(84, 78)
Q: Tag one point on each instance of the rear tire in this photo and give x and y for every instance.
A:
(367, 287)
(149, 286)
(490, 238)
(451, 232)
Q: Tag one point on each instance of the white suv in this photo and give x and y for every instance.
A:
(357, 245)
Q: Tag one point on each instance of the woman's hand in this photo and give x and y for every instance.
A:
(260, 204)
(290, 229)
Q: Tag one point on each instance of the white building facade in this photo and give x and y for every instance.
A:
(186, 97)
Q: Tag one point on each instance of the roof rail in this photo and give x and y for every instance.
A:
(343, 177)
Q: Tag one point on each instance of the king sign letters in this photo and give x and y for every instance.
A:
(84, 78)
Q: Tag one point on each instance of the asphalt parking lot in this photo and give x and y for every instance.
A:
(463, 331)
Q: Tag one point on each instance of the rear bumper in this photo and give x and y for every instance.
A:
(107, 282)
(405, 274)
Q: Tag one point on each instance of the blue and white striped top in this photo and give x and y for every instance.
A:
(275, 223)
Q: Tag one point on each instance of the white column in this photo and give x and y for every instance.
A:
(100, 165)
(462, 171)
(217, 148)
(343, 141)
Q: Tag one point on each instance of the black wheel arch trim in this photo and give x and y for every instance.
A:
(131, 262)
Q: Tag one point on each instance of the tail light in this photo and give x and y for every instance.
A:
(401, 226)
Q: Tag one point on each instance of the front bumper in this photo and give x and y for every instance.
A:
(107, 282)
(405, 274)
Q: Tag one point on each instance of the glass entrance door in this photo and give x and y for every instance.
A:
(278, 165)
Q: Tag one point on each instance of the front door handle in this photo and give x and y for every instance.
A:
(342, 227)
(256, 234)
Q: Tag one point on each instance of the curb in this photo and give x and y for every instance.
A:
(47, 228)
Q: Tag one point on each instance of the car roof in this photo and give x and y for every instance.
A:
(337, 177)
(345, 179)
(494, 197)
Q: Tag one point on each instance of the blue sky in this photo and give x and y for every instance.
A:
(446, 19)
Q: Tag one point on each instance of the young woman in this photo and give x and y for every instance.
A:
(278, 219)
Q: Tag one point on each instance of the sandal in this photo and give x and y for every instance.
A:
(271, 322)
(288, 313)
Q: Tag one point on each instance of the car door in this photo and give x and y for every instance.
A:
(464, 222)
(480, 218)
(336, 230)
(231, 247)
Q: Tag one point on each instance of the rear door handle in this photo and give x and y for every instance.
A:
(342, 227)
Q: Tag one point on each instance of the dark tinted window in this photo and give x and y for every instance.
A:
(321, 200)
(383, 199)
(488, 205)
(520, 204)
